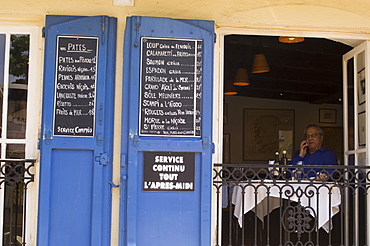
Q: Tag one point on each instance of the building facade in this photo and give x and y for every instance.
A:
(124, 136)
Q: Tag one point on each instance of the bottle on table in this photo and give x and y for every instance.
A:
(284, 161)
(299, 170)
(283, 158)
(276, 164)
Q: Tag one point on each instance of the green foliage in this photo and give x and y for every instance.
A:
(19, 57)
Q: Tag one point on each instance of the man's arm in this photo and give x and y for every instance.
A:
(296, 158)
(328, 158)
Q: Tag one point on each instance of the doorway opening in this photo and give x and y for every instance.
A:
(304, 85)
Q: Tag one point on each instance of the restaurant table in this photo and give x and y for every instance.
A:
(324, 200)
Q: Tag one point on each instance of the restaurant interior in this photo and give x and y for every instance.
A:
(273, 88)
(273, 82)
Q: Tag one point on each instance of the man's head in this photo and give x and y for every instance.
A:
(314, 137)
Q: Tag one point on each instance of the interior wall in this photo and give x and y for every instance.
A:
(304, 114)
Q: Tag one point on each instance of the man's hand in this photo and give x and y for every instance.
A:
(303, 148)
(321, 177)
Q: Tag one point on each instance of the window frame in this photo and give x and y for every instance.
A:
(32, 123)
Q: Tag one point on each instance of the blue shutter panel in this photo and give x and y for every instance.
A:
(75, 166)
(165, 216)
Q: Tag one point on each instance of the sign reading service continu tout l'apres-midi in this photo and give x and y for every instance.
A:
(169, 171)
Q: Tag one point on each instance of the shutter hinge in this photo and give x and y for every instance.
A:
(123, 181)
(103, 27)
(103, 159)
(43, 32)
(47, 137)
(137, 27)
(205, 142)
(101, 114)
(123, 160)
(214, 37)
(213, 148)
(135, 139)
(99, 139)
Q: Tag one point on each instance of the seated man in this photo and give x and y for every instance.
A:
(312, 152)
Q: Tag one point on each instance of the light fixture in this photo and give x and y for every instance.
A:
(229, 88)
(241, 77)
(290, 40)
(260, 64)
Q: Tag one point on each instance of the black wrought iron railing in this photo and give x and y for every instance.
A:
(312, 205)
(15, 176)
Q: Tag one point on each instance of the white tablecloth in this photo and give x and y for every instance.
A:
(328, 206)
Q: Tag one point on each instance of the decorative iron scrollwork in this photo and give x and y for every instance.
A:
(299, 219)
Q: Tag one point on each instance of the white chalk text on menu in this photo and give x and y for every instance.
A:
(171, 87)
(75, 81)
(169, 171)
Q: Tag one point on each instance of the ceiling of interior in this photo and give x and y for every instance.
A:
(309, 71)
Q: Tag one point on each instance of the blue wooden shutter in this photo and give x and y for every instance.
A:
(76, 149)
(158, 215)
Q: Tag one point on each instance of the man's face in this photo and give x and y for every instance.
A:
(314, 139)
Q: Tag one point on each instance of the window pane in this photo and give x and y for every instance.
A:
(361, 102)
(18, 82)
(350, 105)
(14, 190)
(15, 151)
(2, 57)
(2, 64)
(17, 112)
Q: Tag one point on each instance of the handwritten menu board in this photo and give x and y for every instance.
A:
(74, 108)
(171, 87)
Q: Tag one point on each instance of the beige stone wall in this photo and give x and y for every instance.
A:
(343, 15)
(315, 17)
